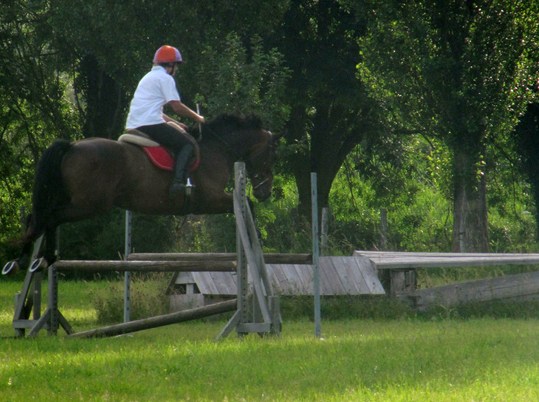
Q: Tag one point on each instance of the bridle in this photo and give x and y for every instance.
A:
(254, 152)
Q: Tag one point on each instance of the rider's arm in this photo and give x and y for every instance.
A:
(185, 111)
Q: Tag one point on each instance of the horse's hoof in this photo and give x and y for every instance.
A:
(10, 268)
(38, 264)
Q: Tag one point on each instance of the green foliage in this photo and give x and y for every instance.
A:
(103, 238)
(34, 110)
(209, 233)
(234, 78)
(441, 74)
(458, 72)
(147, 298)
(345, 308)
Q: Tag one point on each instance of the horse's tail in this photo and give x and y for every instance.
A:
(48, 189)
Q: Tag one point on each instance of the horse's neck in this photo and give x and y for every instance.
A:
(237, 145)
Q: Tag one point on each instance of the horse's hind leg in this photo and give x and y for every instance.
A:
(50, 252)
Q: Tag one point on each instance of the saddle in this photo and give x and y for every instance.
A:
(160, 156)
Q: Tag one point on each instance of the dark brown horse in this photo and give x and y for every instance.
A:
(78, 180)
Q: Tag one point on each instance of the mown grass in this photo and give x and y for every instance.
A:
(406, 359)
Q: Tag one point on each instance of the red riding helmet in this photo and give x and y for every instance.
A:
(167, 54)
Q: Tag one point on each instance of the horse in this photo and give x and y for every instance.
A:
(79, 180)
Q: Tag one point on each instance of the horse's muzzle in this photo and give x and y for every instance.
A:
(262, 190)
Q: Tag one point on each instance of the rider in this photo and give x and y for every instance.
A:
(155, 90)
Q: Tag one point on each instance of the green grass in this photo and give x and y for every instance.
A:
(376, 360)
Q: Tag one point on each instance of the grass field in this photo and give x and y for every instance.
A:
(358, 360)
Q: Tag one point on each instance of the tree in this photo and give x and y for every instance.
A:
(527, 136)
(33, 108)
(108, 55)
(458, 71)
(330, 113)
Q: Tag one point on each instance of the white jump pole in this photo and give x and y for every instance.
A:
(127, 274)
(316, 256)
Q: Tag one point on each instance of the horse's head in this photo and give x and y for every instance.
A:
(244, 139)
(259, 164)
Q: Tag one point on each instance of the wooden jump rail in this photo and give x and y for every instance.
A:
(402, 281)
(158, 321)
(144, 266)
(269, 258)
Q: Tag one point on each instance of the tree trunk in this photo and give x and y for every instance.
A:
(329, 145)
(470, 221)
(528, 140)
(104, 99)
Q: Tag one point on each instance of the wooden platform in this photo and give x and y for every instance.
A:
(402, 266)
(339, 276)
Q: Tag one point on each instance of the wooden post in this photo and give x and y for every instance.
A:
(316, 256)
(324, 232)
(127, 274)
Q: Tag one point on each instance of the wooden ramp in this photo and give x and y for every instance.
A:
(338, 276)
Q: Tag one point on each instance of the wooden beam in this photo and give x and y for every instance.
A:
(515, 286)
(158, 321)
(401, 260)
(145, 266)
(269, 258)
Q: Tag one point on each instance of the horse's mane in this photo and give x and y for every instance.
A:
(232, 122)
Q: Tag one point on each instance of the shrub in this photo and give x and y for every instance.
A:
(147, 295)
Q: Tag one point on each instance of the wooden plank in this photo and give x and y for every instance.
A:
(369, 275)
(224, 282)
(205, 283)
(351, 274)
(330, 281)
(184, 277)
(143, 266)
(200, 257)
(443, 262)
(397, 254)
(399, 260)
(345, 268)
(269, 258)
(277, 275)
(506, 287)
(296, 279)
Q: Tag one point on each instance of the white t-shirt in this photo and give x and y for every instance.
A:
(154, 91)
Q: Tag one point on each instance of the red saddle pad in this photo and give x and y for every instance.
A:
(160, 157)
(163, 159)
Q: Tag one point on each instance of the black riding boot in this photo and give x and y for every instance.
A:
(180, 170)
